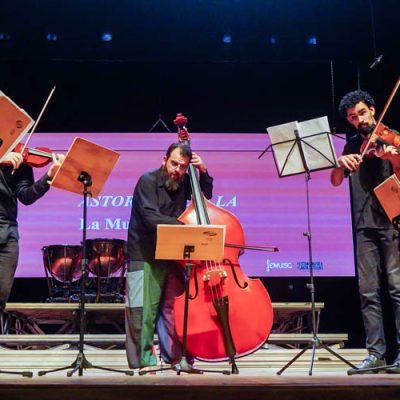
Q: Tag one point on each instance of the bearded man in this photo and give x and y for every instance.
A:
(377, 241)
(160, 197)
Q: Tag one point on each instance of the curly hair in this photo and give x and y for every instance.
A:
(353, 98)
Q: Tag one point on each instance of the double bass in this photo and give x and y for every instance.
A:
(229, 314)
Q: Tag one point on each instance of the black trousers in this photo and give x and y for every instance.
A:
(8, 264)
(378, 258)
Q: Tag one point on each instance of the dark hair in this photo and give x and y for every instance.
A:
(185, 149)
(353, 98)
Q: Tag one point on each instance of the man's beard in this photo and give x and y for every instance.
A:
(171, 184)
(366, 130)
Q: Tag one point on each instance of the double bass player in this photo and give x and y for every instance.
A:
(160, 197)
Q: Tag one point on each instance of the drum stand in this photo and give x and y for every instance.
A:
(81, 361)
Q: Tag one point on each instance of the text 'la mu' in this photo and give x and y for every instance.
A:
(115, 224)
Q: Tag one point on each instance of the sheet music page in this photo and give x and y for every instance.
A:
(317, 143)
(286, 150)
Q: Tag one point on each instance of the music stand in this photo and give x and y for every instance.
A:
(299, 148)
(14, 123)
(388, 194)
(161, 122)
(189, 242)
(90, 165)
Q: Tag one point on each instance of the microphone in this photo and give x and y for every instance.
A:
(376, 61)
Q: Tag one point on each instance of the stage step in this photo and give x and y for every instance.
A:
(119, 340)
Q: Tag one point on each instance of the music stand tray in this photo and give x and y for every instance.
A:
(14, 124)
(89, 157)
(207, 242)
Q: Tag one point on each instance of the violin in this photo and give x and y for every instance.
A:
(37, 158)
(383, 136)
(380, 134)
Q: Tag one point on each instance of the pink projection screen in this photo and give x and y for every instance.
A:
(272, 210)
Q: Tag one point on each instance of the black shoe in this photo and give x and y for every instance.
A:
(396, 368)
(370, 362)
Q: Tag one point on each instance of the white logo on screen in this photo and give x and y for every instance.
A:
(277, 265)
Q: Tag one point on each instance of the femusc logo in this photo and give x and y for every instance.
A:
(277, 265)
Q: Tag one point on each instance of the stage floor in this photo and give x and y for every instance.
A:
(257, 378)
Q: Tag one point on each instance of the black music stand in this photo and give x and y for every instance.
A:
(188, 242)
(300, 148)
(161, 122)
(85, 165)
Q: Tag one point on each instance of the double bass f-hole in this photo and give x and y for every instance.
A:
(229, 262)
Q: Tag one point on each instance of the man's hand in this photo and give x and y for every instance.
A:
(198, 162)
(57, 160)
(350, 162)
(13, 159)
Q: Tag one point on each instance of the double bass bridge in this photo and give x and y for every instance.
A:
(214, 277)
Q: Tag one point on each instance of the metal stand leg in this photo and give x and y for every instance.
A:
(183, 365)
(315, 342)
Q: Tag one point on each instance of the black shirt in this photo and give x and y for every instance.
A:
(153, 204)
(367, 211)
(18, 186)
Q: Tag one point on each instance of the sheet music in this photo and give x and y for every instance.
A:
(287, 153)
(316, 145)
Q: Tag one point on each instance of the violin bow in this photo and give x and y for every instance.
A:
(38, 119)
(373, 135)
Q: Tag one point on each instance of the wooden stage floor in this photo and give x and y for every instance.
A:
(257, 378)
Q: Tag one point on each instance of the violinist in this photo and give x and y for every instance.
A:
(16, 183)
(377, 242)
(160, 197)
